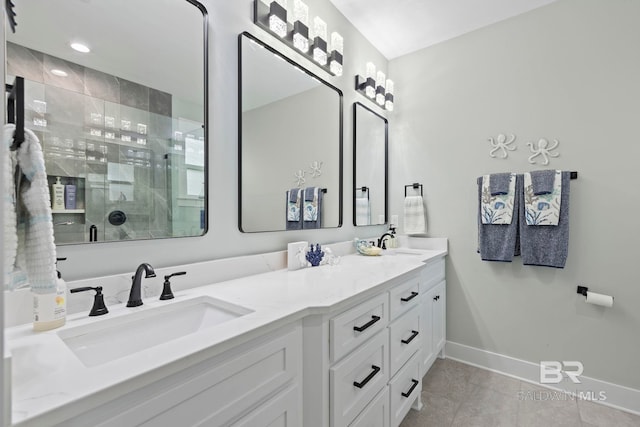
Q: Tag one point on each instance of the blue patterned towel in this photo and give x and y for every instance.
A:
(497, 209)
(542, 209)
(293, 205)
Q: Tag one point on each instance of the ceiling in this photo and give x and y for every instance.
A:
(399, 27)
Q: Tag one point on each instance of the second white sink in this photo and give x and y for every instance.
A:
(111, 339)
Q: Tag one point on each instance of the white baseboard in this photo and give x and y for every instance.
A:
(617, 396)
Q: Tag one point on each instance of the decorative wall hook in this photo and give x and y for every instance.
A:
(501, 143)
(300, 178)
(315, 169)
(543, 149)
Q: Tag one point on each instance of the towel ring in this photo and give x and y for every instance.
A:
(364, 190)
(415, 186)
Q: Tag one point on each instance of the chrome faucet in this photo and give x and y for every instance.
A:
(134, 296)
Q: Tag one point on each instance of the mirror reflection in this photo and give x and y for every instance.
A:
(370, 139)
(290, 143)
(121, 122)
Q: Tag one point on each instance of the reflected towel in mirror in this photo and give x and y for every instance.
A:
(363, 211)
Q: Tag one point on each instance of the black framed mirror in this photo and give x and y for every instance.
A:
(370, 166)
(290, 143)
(122, 123)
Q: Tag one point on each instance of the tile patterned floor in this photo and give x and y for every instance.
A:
(459, 395)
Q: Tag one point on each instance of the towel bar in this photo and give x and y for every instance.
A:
(415, 185)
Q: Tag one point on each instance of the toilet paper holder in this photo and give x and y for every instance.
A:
(582, 290)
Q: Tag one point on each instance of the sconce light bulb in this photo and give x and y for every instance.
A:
(300, 26)
(380, 92)
(278, 18)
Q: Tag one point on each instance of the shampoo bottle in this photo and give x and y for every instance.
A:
(57, 193)
(70, 196)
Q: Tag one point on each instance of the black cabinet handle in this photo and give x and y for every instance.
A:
(413, 386)
(408, 340)
(436, 298)
(364, 382)
(373, 320)
(407, 299)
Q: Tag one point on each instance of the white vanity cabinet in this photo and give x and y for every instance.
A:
(256, 383)
(433, 309)
(364, 362)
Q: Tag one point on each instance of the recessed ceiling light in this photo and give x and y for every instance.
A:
(60, 73)
(80, 47)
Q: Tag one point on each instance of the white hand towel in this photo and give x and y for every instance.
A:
(414, 215)
(363, 211)
(39, 248)
(10, 235)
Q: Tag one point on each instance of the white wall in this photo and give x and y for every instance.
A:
(569, 71)
(227, 20)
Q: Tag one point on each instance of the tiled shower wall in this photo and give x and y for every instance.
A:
(85, 150)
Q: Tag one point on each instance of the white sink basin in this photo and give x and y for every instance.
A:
(403, 251)
(111, 339)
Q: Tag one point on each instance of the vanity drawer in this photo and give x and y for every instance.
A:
(404, 297)
(405, 338)
(356, 380)
(432, 274)
(404, 388)
(353, 327)
(376, 414)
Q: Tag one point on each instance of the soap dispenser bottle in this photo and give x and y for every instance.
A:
(393, 241)
(50, 310)
(57, 193)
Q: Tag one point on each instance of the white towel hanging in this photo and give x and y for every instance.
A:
(414, 215)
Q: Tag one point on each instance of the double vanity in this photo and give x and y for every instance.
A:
(335, 345)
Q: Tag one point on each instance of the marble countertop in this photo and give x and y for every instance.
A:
(50, 383)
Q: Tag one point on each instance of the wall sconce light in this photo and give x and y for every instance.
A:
(310, 41)
(381, 80)
(300, 26)
(335, 59)
(388, 103)
(319, 47)
(367, 85)
(378, 89)
(278, 17)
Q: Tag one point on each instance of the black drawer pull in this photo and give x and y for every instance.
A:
(407, 299)
(364, 382)
(408, 340)
(436, 298)
(413, 386)
(373, 320)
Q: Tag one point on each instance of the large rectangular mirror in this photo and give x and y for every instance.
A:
(121, 117)
(370, 147)
(290, 155)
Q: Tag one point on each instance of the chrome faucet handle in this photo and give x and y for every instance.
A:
(166, 287)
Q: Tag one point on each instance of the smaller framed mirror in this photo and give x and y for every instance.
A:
(370, 164)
